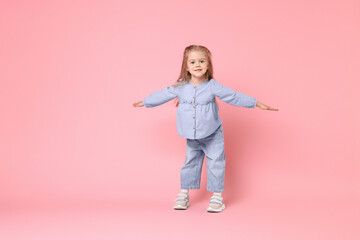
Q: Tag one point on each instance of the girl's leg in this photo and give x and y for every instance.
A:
(190, 173)
(213, 146)
(191, 170)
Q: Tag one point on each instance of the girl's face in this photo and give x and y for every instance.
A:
(197, 64)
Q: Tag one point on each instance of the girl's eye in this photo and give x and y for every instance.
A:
(192, 62)
(202, 61)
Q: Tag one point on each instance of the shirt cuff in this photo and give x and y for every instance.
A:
(255, 103)
(145, 103)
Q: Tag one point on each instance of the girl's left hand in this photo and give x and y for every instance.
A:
(265, 107)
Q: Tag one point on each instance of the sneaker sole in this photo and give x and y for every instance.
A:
(213, 210)
(179, 207)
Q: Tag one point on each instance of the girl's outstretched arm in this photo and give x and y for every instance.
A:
(138, 104)
(265, 107)
(157, 98)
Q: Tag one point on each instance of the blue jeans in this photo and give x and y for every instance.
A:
(213, 147)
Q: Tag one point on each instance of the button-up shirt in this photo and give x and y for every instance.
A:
(197, 113)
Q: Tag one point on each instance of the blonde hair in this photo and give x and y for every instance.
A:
(185, 76)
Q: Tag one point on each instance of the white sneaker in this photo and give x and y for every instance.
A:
(216, 204)
(182, 201)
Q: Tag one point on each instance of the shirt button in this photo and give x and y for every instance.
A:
(193, 106)
(194, 97)
(194, 86)
(193, 117)
(194, 128)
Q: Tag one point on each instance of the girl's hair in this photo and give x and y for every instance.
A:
(185, 76)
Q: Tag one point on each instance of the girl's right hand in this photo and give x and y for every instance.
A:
(138, 104)
(265, 107)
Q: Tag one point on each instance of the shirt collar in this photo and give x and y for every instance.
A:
(201, 84)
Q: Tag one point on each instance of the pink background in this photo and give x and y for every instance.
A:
(78, 161)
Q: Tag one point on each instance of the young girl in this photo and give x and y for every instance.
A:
(198, 121)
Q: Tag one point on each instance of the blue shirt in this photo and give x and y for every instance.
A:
(197, 114)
